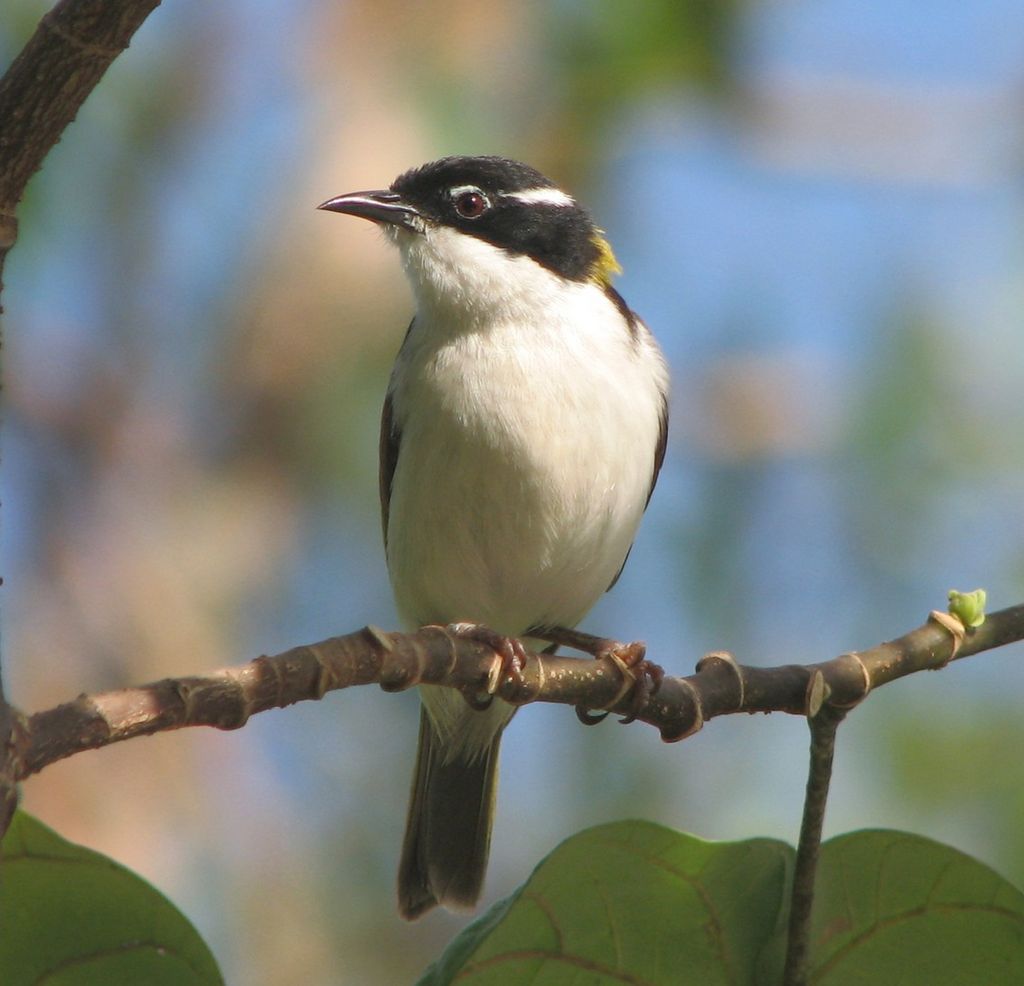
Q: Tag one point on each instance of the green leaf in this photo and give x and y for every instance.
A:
(898, 908)
(636, 903)
(73, 917)
(629, 902)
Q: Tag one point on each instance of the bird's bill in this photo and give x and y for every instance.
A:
(379, 207)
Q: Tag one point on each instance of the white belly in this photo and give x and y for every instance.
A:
(523, 471)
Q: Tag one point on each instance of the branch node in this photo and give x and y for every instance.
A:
(817, 693)
(956, 630)
(183, 689)
(723, 659)
(865, 682)
(380, 637)
(325, 677)
(695, 725)
(265, 665)
(396, 675)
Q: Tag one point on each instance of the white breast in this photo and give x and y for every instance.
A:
(529, 416)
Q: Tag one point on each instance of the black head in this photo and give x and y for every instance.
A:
(502, 202)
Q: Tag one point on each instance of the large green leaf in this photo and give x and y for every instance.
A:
(629, 902)
(72, 917)
(898, 909)
(636, 903)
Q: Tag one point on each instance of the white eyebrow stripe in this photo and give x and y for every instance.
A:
(547, 196)
(462, 189)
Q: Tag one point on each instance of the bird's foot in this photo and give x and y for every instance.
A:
(639, 676)
(510, 658)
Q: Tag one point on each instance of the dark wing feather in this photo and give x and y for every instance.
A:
(659, 458)
(390, 439)
(659, 449)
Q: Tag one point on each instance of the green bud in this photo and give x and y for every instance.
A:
(968, 607)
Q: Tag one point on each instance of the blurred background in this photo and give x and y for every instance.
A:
(818, 209)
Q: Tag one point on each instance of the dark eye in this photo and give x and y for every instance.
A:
(471, 205)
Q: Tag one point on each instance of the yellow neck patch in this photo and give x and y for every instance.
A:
(605, 266)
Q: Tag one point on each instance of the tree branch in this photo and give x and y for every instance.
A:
(819, 776)
(679, 707)
(40, 94)
(45, 86)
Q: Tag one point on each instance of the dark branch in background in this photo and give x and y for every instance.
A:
(227, 698)
(40, 94)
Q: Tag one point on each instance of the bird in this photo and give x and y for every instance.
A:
(523, 430)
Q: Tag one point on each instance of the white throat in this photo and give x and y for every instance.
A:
(459, 279)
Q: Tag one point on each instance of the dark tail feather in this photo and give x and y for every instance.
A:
(448, 831)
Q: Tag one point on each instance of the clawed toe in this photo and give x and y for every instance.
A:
(640, 677)
(510, 660)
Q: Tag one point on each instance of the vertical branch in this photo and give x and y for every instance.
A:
(45, 86)
(819, 775)
(40, 94)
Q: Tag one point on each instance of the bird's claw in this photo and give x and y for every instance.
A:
(640, 677)
(589, 718)
(510, 658)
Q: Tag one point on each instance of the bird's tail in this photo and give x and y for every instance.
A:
(448, 831)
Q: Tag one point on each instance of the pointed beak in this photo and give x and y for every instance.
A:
(383, 207)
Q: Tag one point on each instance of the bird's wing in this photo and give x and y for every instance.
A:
(659, 449)
(659, 458)
(390, 440)
(637, 330)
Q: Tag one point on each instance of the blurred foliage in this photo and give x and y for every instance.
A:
(557, 78)
(959, 768)
(607, 58)
(610, 55)
(907, 424)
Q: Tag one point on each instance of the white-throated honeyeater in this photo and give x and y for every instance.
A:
(523, 430)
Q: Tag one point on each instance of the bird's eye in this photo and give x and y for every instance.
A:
(471, 205)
